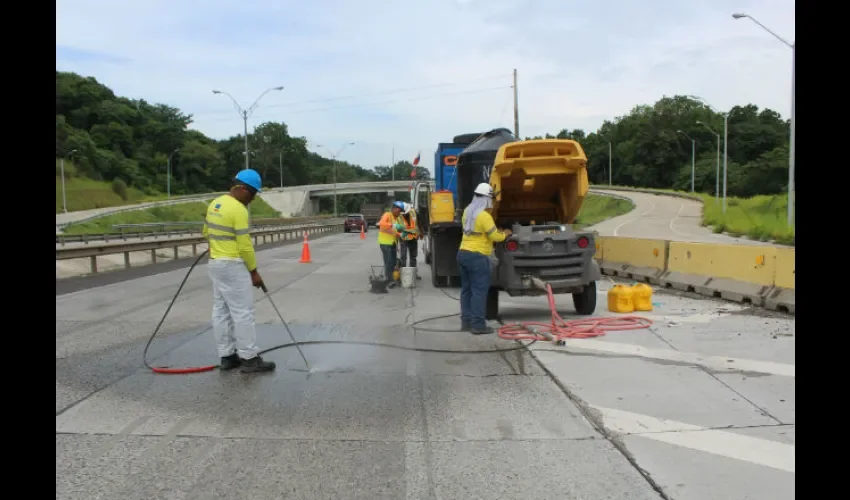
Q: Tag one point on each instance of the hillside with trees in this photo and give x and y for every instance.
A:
(128, 142)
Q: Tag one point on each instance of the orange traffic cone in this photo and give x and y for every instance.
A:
(362, 232)
(305, 252)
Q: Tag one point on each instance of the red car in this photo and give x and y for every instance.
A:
(355, 222)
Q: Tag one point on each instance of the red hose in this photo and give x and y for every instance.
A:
(575, 329)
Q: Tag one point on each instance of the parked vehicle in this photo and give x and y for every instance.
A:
(355, 222)
(539, 186)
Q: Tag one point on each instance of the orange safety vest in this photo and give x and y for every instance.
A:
(387, 234)
(410, 226)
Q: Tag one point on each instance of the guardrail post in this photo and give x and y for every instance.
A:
(175, 252)
(153, 256)
(93, 259)
(127, 260)
(194, 249)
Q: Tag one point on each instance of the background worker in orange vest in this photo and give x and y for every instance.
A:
(410, 238)
(389, 229)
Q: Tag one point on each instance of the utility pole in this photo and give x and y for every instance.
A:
(693, 156)
(168, 174)
(516, 109)
(334, 157)
(392, 165)
(717, 172)
(609, 164)
(62, 169)
(280, 160)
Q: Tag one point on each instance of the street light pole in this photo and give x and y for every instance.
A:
(333, 159)
(717, 173)
(725, 143)
(693, 158)
(245, 113)
(793, 46)
(609, 164)
(168, 174)
(62, 170)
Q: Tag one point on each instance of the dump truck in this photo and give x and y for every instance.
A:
(372, 212)
(539, 187)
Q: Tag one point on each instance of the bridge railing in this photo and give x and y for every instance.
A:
(261, 235)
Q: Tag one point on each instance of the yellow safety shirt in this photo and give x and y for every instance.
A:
(387, 233)
(227, 230)
(483, 236)
(410, 226)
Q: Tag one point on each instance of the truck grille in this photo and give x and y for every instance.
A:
(551, 267)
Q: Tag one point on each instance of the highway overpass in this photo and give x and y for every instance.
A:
(296, 201)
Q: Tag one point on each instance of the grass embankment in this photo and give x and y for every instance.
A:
(184, 212)
(597, 208)
(86, 194)
(760, 218)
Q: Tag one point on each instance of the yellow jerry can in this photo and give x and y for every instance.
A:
(396, 274)
(642, 296)
(621, 299)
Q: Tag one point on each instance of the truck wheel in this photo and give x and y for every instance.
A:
(427, 255)
(492, 303)
(434, 280)
(585, 301)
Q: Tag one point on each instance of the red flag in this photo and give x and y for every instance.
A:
(416, 160)
(413, 173)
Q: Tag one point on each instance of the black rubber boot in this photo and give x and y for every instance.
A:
(230, 362)
(481, 331)
(464, 327)
(256, 364)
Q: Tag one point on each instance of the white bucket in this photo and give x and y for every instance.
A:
(408, 277)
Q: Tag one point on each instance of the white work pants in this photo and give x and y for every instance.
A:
(233, 308)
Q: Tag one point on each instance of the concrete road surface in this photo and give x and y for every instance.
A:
(664, 218)
(700, 407)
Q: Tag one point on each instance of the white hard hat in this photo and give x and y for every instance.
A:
(484, 189)
(407, 207)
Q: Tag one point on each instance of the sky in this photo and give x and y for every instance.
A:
(399, 77)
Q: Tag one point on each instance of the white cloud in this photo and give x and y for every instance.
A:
(579, 63)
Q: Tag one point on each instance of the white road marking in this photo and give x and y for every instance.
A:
(673, 221)
(723, 443)
(642, 214)
(720, 363)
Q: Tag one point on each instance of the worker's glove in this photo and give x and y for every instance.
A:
(399, 227)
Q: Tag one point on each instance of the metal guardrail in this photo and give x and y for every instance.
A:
(172, 229)
(260, 236)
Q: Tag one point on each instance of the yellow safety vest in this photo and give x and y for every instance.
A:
(387, 234)
(227, 231)
(484, 234)
(412, 229)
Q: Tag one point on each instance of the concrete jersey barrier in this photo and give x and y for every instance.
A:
(759, 275)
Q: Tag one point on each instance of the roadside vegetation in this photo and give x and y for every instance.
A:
(597, 208)
(191, 213)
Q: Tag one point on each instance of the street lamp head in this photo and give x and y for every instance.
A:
(679, 131)
(350, 143)
(278, 88)
(699, 122)
(216, 92)
(738, 15)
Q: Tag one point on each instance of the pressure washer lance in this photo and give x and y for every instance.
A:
(294, 342)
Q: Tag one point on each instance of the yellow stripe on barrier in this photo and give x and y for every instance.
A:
(635, 251)
(751, 264)
(785, 267)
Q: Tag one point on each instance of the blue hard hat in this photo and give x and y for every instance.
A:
(399, 204)
(251, 178)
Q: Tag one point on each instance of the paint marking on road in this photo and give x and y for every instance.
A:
(673, 221)
(642, 214)
(723, 443)
(719, 363)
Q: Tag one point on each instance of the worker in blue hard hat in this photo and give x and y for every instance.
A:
(233, 270)
(389, 229)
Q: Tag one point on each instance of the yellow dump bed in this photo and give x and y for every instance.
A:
(540, 180)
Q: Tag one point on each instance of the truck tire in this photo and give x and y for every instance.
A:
(585, 301)
(492, 311)
(434, 280)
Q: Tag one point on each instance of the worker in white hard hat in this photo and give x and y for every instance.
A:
(409, 240)
(473, 258)
(233, 269)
